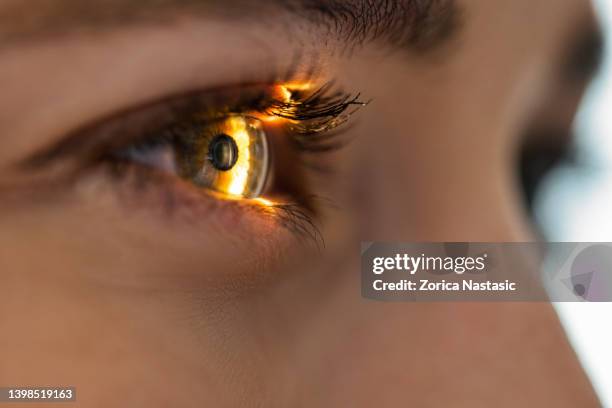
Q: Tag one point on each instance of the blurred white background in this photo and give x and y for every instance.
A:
(577, 206)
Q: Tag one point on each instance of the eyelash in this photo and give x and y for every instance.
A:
(313, 117)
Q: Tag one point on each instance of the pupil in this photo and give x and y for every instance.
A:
(223, 152)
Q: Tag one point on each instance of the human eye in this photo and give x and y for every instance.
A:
(234, 145)
(227, 155)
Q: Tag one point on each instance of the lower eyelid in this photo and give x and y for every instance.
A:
(172, 200)
(138, 184)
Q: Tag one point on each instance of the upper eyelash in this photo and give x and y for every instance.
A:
(323, 103)
(313, 115)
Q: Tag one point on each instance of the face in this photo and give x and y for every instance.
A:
(185, 186)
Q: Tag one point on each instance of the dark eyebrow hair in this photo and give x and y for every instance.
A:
(415, 24)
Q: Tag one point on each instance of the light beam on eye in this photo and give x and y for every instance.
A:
(235, 181)
(285, 94)
(298, 86)
(271, 118)
(264, 202)
(287, 90)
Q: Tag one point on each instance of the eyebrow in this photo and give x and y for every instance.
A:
(419, 25)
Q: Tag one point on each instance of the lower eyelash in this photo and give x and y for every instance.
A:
(295, 219)
(172, 194)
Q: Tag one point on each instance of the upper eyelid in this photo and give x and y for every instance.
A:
(117, 131)
(114, 131)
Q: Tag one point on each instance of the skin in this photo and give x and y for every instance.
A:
(103, 290)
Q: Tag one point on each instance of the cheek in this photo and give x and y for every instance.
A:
(416, 178)
(137, 246)
(104, 341)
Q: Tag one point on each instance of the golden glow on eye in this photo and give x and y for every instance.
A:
(287, 90)
(285, 93)
(271, 118)
(298, 86)
(235, 181)
(265, 202)
(229, 157)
